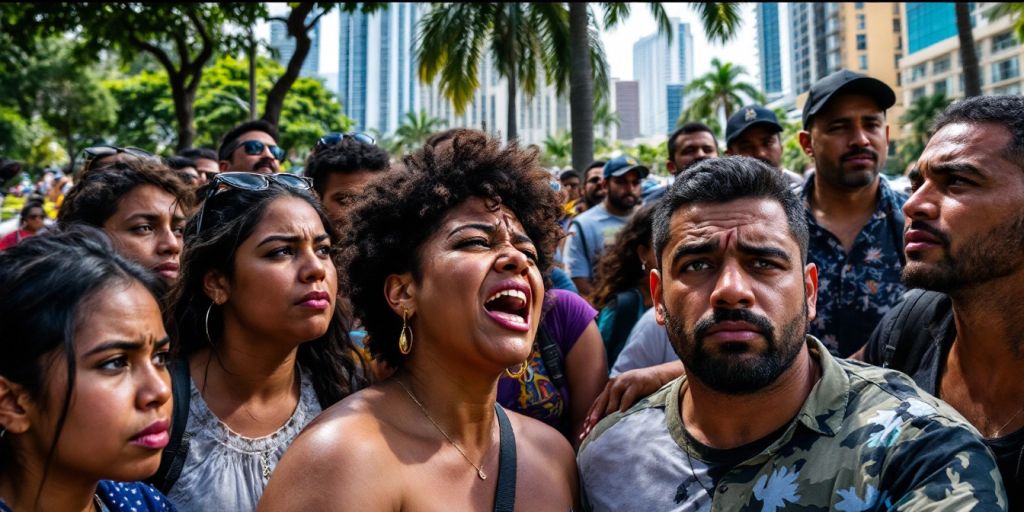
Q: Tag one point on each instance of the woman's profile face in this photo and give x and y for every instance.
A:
(284, 285)
(480, 288)
(147, 228)
(119, 414)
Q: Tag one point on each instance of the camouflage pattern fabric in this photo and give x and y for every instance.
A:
(866, 439)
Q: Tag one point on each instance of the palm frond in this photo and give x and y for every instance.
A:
(721, 20)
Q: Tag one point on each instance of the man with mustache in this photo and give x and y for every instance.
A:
(854, 218)
(755, 131)
(595, 228)
(764, 417)
(962, 340)
(251, 147)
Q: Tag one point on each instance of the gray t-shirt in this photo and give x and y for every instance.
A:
(225, 471)
(595, 229)
(647, 345)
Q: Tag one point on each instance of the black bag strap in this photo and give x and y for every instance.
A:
(551, 354)
(505, 495)
(627, 313)
(909, 334)
(583, 239)
(173, 458)
(896, 231)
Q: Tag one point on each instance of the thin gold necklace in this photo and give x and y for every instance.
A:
(479, 472)
(1000, 431)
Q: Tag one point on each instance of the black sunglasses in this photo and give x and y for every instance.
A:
(333, 138)
(249, 181)
(94, 152)
(252, 147)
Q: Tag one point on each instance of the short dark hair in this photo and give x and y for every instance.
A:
(97, 195)
(179, 162)
(568, 173)
(1004, 110)
(720, 180)
(595, 163)
(197, 153)
(44, 280)
(347, 156)
(405, 207)
(688, 128)
(233, 134)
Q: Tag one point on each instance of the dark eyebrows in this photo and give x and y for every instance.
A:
(952, 167)
(487, 228)
(683, 251)
(146, 216)
(914, 175)
(763, 251)
(126, 345)
(290, 239)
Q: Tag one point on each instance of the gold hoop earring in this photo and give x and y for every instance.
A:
(522, 370)
(405, 343)
(206, 324)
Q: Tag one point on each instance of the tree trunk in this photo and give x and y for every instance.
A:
(968, 57)
(512, 134)
(184, 111)
(252, 75)
(297, 29)
(581, 88)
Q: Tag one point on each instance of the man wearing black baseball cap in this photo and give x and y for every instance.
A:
(754, 131)
(597, 227)
(854, 218)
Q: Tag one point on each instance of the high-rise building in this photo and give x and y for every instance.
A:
(285, 46)
(627, 106)
(377, 81)
(769, 54)
(656, 64)
(933, 65)
(675, 104)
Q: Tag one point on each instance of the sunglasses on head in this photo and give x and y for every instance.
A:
(94, 152)
(253, 147)
(333, 138)
(249, 181)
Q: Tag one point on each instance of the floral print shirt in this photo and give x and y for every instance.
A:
(856, 289)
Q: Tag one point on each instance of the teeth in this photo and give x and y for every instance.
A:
(516, 319)
(508, 293)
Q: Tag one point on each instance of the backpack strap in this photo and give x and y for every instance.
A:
(551, 354)
(909, 333)
(627, 307)
(583, 239)
(173, 458)
(505, 494)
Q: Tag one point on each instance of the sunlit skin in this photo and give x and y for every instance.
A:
(964, 234)
(572, 188)
(691, 148)
(147, 228)
(118, 417)
(207, 168)
(281, 294)
(737, 255)
(34, 220)
(263, 163)
(623, 193)
(341, 192)
(460, 349)
(593, 186)
(760, 141)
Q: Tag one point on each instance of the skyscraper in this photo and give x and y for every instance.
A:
(656, 64)
(377, 81)
(285, 46)
(675, 105)
(929, 23)
(627, 106)
(768, 49)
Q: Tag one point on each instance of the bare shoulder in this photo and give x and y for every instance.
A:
(542, 449)
(337, 460)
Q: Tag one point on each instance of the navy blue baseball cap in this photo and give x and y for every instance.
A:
(749, 116)
(621, 165)
(846, 82)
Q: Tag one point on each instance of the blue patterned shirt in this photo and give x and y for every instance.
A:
(856, 289)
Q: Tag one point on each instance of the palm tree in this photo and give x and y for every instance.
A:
(522, 38)
(604, 118)
(721, 21)
(557, 149)
(968, 57)
(919, 117)
(720, 91)
(415, 129)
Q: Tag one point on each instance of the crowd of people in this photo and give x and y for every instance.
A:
(461, 328)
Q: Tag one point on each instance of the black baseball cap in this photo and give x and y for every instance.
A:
(846, 82)
(749, 116)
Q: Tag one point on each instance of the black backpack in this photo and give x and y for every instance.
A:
(626, 306)
(908, 332)
(173, 458)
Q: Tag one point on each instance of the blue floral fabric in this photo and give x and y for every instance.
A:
(855, 290)
(132, 497)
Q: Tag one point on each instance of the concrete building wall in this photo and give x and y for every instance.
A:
(627, 105)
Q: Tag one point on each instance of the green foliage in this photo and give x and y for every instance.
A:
(720, 91)
(145, 112)
(413, 132)
(653, 156)
(918, 118)
(16, 135)
(557, 149)
(1015, 10)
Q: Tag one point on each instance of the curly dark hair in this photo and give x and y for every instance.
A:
(405, 207)
(619, 267)
(348, 155)
(229, 218)
(97, 194)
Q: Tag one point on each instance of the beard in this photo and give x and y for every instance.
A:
(728, 372)
(980, 258)
(624, 202)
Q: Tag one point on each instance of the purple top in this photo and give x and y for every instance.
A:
(535, 395)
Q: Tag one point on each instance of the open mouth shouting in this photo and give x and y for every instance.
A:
(509, 305)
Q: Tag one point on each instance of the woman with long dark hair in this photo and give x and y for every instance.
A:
(254, 318)
(32, 221)
(84, 388)
(444, 265)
